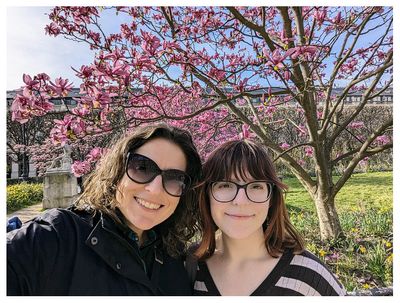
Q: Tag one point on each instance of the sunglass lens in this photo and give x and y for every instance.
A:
(141, 169)
(175, 182)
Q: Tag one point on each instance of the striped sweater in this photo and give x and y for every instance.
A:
(294, 275)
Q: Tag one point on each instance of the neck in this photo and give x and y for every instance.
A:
(237, 250)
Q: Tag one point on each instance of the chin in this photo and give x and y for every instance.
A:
(144, 224)
(237, 234)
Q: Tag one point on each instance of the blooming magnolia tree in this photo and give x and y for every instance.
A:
(222, 73)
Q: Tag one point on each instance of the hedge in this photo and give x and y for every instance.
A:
(23, 195)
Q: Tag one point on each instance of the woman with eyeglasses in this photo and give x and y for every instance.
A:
(126, 233)
(248, 245)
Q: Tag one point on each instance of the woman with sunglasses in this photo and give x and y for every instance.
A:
(126, 233)
(257, 251)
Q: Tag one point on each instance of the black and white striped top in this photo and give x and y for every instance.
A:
(294, 275)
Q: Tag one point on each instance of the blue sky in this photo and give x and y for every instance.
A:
(30, 51)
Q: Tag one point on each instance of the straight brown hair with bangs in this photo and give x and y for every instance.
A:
(241, 158)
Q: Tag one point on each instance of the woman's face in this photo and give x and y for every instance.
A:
(147, 205)
(240, 218)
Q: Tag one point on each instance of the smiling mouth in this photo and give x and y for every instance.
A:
(147, 204)
(233, 216)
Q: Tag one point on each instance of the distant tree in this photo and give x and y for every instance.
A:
(20, 137)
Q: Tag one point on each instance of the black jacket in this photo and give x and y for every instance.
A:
(68, 252)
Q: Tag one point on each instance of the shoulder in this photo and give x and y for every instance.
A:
(40, 246)
(48, 224)
(312, 275)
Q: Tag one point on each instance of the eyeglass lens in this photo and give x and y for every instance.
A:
(142, 170)
(226, 191)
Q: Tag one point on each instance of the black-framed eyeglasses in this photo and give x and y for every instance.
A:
(256, 191)
(141, 169)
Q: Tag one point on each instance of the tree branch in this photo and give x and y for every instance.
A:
(361, 154)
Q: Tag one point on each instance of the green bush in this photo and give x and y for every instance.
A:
(22, 195)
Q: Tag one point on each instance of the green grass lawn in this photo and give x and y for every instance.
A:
(363, 259)
(361, 191)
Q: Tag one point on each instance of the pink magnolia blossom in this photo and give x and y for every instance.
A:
(270, 110)
(81, 110)
(301, 162)
(337, 19)
(82, 14)
(309, 151)
(284, 145)
(219, 75)
(382, 140)
(20, 109)
(95, 37)
(276, 59)
(297, 51)
(286, 75)
(246, 132)
(320, 16)
(284, 38)
(80, 168)
(350, 66)
(42, 76)
(61, 87)
(97, 98)
(120, 68)
(333, 257)
(30, 84)
(20, 148)
(53, 29)
(27, 105)
(84, 72)
(381, 55)
(95, 154)
(150, 42)
(116, 55)
(356, 125)
(67, 129)
(364, 161)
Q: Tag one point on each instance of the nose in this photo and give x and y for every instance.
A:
(241, 198)
(155, 186)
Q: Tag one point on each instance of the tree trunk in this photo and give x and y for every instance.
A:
(328, 218)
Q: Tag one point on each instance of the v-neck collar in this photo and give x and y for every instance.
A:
(265, 285)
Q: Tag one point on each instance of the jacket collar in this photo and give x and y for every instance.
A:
(151, 235)
(107, 241)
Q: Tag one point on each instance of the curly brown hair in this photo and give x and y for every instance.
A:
(239, 157)
(101, 185)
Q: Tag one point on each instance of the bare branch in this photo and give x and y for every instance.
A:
(361, 154)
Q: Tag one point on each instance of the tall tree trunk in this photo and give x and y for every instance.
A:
(328, 218)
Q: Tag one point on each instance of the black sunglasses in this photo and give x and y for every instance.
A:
(141, 169)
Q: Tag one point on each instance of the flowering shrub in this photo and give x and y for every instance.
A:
(22, 195)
